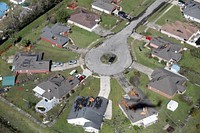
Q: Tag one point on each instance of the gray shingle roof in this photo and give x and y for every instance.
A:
(57, 86)
(104, 4)
(55, 32)
(167, 82)
(94, 112)
(135, 115)
(192, 8)
(166, 50)
(30, 61)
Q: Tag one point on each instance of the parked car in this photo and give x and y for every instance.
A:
(72, 62)
(56, 64)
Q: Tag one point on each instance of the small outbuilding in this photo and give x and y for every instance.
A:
(172, 105)
(8, 81)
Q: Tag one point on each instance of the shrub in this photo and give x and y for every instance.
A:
(198, 126)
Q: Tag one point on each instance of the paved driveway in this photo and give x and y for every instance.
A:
(104, 86)
(117, 45)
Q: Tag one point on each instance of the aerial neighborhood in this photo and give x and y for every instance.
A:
(100, 66)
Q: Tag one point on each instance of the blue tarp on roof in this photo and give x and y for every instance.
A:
(8, 81)
(3, 8)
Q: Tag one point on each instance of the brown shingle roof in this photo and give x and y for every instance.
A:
(85, 18)
(180, 29)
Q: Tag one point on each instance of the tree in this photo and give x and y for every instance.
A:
(62, 16)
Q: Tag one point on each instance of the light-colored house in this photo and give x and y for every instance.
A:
(192, 11)
(88, 112)
(18, 2)
(84, 19)
(106, 6)
(182, 31)
(53, 90)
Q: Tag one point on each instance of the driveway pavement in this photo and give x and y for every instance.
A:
(99, 30)
(104, 86)
(117, 45)
(141, 68)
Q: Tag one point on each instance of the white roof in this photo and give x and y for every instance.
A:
(172, 105)
(150, 119)
(39, 90)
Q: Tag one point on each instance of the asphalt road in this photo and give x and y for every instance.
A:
(117, 45)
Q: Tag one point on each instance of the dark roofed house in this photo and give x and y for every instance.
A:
(166, 83)
(53, 90)
(88, 112)
(105, 6)
(30, 63)
(56, 35)
(165, 50)
(192, 11)
(140, 111)
(84, 19)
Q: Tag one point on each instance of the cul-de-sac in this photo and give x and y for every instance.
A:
(99, 66)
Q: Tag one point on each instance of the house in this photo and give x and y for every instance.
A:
(167, 83)
(106, 6)
(182, 31)
(30, 63)
(165, 50)
(56, 35)
(88, 112)
(84, 19)
(172, 105)
(139, 111)
(53, 90)
(17, 1)
(4, 8)
(8, 81)
(191, 11)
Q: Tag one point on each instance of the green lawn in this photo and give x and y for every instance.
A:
(135, 7)
(85, 3)
(20, 121)
(172, 15)
(54, 53)
(120, 26)
(142, 56)
(159, 12)
(191, 62)
(81, 37)
(118, 122)
(178, 116)
(108, 21)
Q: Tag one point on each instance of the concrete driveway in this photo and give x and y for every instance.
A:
(104, 86)
(99, 30)
(117, 45)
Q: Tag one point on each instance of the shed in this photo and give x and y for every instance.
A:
(175, 68)
(172, 105)
(8, 81)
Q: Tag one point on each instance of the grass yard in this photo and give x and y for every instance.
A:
(119, 26)
(142, 56)
(54, 53)
(189, 61)
(20, 121)
(85, 3)
(118, 122)
(166, 116)
(172, 15)
(81, 37)
(108, 21)
(135, 7)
